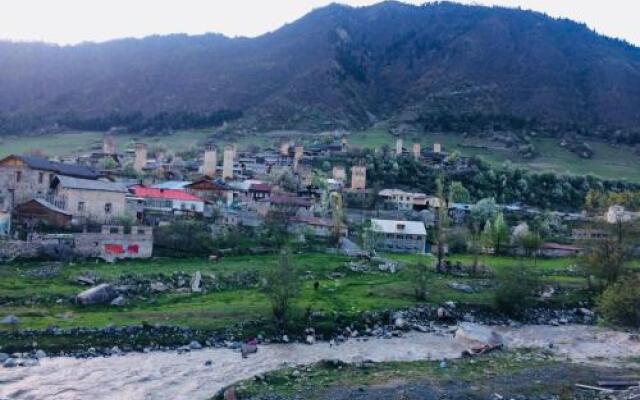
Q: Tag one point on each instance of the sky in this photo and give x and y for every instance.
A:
(75, 21)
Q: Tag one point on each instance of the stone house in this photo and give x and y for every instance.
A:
(398, 236)
(320, 227)
(95, 200)
(23, 178)
(396, 199)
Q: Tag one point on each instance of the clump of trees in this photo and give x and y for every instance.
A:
(184, 237)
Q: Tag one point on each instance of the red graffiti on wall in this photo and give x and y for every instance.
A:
(133, 249)
(113, 249)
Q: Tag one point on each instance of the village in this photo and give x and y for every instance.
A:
(135, 250)
(82, 205)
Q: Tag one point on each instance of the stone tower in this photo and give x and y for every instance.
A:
(284, 148)
(437, 148)
(227, 162)
(344, 144)
(398, 147)
(416, 150)
(140, 161)
(339, 173)
(210, 161)
(108, 144)
(359, 177)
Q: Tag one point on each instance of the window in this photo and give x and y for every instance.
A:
(1, 201)
(113, 230)
(40, 177)
(193, 207)
(108, 207)
(81, 206)
(141, 232)
(18, 176)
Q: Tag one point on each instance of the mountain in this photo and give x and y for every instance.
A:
(437, 66)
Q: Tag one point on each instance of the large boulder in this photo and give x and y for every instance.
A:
(478, 334)
(10, 320)
(101, 294)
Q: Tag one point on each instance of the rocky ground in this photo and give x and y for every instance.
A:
(517, 376)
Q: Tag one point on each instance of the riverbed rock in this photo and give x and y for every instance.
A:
(311, 339)
(478, 333)
(230, 394)
(158, 287)
(400, 323)
(101, 294)
(40, 354)
(195, 345)
(87, 278)
(10, 363)
(3, 357)
(196, 281)
(118, 301)
(10, 320)
(460, 287)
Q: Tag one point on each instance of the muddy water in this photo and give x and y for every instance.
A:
(167, 375)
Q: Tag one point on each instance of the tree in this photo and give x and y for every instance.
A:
(441, 225)
(287, 181)
(516, 290)
(282, 285)
(530, 243)
(607, 257)
(185, 237)
(482, 211)
(620, 302)
(420, 277)
(458, 193)
(496, 233)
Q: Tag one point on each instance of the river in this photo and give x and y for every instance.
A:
(168, 375)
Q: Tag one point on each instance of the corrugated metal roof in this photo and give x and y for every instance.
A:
(398, 227)
(90, 184)
(169, 194)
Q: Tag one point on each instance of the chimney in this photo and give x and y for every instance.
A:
(108, 144)
(398, 147)
(437, 148)
(359, 177)
(210, 161)
(227, 162)
(140, 161)
(416, 151)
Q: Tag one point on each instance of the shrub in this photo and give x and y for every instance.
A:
(517, 287)
(619, 304)
(184, 237)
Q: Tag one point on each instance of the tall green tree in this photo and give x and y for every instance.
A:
(282, 286)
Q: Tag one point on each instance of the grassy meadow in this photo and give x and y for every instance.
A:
(41, 302)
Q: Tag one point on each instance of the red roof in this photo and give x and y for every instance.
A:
(169, 194)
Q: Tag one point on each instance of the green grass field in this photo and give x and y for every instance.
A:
(36, 301)
(608, 162)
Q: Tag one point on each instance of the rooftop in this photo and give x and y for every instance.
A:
(75, 170)
(90, 184)
(167, 194)
(398, 227)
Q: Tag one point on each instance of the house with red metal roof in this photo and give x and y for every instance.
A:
(174, 201)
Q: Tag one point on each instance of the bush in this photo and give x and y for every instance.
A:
(184, 238)
(619, 304)
(517, 287)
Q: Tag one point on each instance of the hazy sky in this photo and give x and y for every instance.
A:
(73, 21)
